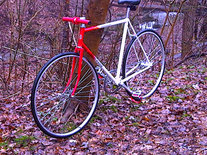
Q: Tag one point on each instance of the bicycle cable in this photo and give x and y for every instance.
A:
(72, 34)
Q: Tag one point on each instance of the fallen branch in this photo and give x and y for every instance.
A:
(193, 55)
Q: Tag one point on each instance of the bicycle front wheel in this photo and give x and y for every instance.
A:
(55, 112)
(144, 61)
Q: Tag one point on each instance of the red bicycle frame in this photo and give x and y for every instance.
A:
(80, 48)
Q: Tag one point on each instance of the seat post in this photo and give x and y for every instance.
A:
(128, 10)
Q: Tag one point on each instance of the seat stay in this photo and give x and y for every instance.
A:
(136, 73)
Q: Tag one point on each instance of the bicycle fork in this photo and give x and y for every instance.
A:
(79, 49)
(72, 71)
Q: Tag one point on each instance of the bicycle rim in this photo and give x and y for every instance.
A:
(57, 113)
(147, 48)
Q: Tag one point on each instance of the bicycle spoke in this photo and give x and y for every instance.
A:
(151, 62)
(56, 113)
(48, 112)
(81, 88)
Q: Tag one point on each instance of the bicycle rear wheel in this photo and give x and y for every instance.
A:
(55, 112)
(145, 50)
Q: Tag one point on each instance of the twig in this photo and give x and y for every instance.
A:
(26, 54)
(174, 22)
(18, 92)
(31, 19)
(1, 3)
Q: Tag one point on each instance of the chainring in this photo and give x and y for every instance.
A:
(109, 86)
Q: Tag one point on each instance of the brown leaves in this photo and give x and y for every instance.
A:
(1, 139)
(173, 121)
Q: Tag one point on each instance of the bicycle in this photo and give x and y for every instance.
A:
(66, 90)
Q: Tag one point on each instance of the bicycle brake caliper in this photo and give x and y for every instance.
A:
(100, 73)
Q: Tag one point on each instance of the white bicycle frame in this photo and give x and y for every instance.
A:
(118, 79)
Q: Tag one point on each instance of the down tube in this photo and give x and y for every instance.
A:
(106, 71)
(98, 62)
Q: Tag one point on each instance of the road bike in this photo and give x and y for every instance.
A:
(65, 92)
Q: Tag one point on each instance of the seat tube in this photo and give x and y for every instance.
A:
(122, 50)
(128, 10)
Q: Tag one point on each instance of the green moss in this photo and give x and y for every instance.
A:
(172, 98)
(4, 144)
(24, 140)
(114, 108)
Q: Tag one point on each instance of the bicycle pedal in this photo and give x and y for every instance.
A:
(137, 100)
(136, 97)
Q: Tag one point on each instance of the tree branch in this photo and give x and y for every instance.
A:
(2, 2)
(31, 19)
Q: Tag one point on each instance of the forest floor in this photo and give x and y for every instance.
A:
(172, 121)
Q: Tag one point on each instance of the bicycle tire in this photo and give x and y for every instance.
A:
(50, 105)
(144, 84)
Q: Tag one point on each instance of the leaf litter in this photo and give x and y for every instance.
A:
(172, 121)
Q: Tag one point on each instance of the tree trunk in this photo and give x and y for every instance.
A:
(188, 27)
(202, 24)
(96, 12)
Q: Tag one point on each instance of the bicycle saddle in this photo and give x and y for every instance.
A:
(131, 2)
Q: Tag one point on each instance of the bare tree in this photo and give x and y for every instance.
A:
(188, 27)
